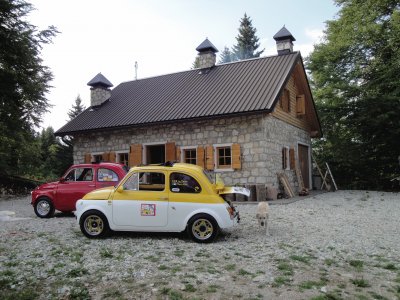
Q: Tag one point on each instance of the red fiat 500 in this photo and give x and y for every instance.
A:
(78, 180)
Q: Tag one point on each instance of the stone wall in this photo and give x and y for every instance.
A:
(99, 95)
(207, 60)
(261, 138)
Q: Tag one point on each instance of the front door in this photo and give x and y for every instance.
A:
(304, 164)
(143, 201)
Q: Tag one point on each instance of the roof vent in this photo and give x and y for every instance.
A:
(284, 41)
(206, 55)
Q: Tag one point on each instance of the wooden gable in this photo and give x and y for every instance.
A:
(301, 111)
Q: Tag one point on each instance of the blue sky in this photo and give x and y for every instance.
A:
(109, 36)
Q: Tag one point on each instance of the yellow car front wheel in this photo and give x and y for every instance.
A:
(94, 224)
(202, 228)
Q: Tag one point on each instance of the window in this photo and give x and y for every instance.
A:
(189, 156)
(182, 183)
(123, 158)
(106, 175)
(224, 157)
(97, 158)
(285, 101)
(80, 174)
(145, 181)
(285, 158)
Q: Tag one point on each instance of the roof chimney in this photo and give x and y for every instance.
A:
(284, 41)
(100, 90)
(206, 55)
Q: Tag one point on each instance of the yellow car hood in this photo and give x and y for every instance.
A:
(100, 194)
(234, 190)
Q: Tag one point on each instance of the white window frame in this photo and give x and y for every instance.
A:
(117, 153)
(95, 153)
(183, 152)
(215, 146)
(144, 150)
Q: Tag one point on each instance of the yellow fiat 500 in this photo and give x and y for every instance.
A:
(160, 198)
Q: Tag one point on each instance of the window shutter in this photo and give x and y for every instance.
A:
(236, 157)
(200, 156)
(135, 155)
(105, 156)
(112, 156)
(178, 154)
(292, 158)
(209, 158)
(300, 105)
(170, 151)
(88, 158)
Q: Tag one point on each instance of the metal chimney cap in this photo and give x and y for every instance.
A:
(100, 80)
(283, 34)
(205, 46)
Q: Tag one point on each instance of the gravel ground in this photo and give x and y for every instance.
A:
(341, 245)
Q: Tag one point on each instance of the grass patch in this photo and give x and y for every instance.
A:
(280, 280)
(362, 283)
(230, 267)
(212, 288)
(243, 272)
(308, 285)
(176, 269)
(329, 262)
(377, 296)
(78, 272)
(106, 253)
(163, 268)
(303, 259)
(203, 253)
(152, 258)
(285, 268)
(179, 252)
(112, 293)
(390, 267)
(327, 296)
(172, 294)
(189, 288)
(25, 294)
(79, 292)
(358, 264)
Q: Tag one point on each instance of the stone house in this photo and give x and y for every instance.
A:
(247, 120)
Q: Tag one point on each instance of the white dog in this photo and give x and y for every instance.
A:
(262, 215)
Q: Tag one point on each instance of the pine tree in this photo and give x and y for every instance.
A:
(196, 63)
(24, 82)
(247, 41)
(66, 144)
(226, 56)
(76, 109)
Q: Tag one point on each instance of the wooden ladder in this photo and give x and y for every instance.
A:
(324, 177)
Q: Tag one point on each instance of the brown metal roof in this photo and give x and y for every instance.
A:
(241, 87)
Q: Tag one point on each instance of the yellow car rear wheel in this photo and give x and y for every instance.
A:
(202, 228)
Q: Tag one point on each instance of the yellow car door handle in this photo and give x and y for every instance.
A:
(163, 198)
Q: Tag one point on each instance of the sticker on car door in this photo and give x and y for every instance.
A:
(148, 210)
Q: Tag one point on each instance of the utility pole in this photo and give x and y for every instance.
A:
(136, 67)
